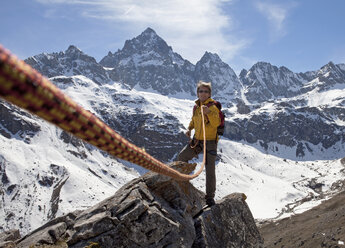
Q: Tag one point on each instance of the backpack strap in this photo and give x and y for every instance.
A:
(218, 104)
(210, 104)
(194, 108)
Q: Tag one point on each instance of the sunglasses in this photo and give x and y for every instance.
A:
(203, 91)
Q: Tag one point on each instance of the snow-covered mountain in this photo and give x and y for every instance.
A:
(267, 82)
(283, 142)
(226, 86)
(147, 62)
(71, 62)
(307, 117)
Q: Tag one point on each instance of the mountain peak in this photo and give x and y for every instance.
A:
(73, 49)
(262, 64)
(243, 73)
(330, 63)
(147, 42)
(208, 56)
(146, 46)
(330, 66)
(333, 72)
(149, 32)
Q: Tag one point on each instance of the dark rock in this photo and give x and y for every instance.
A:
(8, 238)
(10, 188)
(69, 138)
(46, 181)
(13, 125)
(242, 108)
(219, 228)
(55, 197)
(154, 211)
(300, 150)
(342, 161)
(3, 174)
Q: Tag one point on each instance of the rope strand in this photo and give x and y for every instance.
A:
(23, 86)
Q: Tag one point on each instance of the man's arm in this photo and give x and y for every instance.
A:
(190, 128)
(213, 116)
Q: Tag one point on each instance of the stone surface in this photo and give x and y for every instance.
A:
(153, 211)
(223, 225)
(7, 238)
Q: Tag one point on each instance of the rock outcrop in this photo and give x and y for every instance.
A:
(150, 211)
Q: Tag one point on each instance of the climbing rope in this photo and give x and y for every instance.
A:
(23, 86)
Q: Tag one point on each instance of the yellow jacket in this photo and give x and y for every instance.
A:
(212, 121)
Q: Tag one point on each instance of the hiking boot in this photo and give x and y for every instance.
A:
(210, 202)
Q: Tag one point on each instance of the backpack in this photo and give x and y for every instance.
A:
(220, 128)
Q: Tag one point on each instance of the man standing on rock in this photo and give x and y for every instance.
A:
(195, 146)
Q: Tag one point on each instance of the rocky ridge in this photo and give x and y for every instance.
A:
(150, 211)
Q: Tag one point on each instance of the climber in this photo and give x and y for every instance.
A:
(195, 146)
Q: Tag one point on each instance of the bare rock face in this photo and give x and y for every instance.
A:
(153, 211)
(7, 238)
(227, 225)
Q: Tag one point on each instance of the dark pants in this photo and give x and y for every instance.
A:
(188, 153)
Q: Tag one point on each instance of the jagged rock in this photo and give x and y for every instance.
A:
(8, 238)
(16, 123)
(69, 138)
(222, 225)
(342, 161)
(154, 211)
(55, 197)
(242, 108)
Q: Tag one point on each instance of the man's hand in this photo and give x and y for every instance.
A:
(205, 109)
(188, 133)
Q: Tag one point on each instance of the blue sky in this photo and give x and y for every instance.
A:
(301, 35)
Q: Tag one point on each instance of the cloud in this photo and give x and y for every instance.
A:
(276, 14)
(190, 27)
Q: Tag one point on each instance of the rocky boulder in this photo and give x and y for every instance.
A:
(152, 211)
